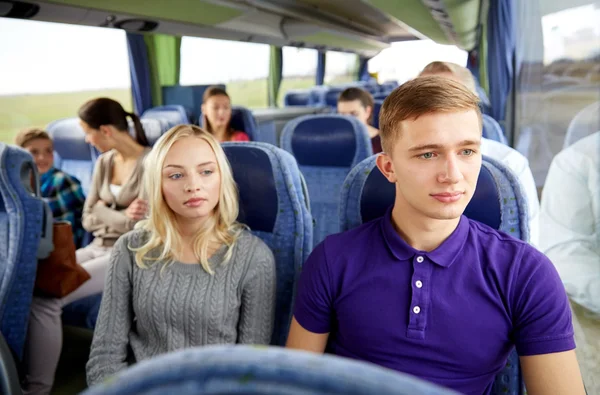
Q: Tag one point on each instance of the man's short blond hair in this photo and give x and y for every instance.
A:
(461, 73)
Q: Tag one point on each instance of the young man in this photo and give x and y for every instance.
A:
(425, 290)
(62, 191)
(512, 158)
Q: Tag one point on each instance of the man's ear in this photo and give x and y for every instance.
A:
(386, 167)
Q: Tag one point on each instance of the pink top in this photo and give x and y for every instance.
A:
(239, 136)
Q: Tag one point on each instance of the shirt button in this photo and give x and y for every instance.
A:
(419, 284)
(416, 309)
(419, 259)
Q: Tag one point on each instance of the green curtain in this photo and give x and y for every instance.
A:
(275, 72)
(164, 55)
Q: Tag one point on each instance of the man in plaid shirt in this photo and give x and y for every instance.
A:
(62, 192)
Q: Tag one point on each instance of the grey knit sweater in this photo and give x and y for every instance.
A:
(147, 312)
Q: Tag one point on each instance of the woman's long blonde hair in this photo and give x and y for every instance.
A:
(161, 224)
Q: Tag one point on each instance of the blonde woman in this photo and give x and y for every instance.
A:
(189, 275)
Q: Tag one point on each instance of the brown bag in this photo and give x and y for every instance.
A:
(59, 274)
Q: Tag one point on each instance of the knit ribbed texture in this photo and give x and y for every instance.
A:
(147, 312)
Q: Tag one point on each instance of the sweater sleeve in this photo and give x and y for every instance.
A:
(108, 354)
(258, 298)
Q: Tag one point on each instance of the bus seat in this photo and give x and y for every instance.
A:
(23, 216)
(76, 156)
(317, 96)
(380, 96)
(9, 376)
(241, 120)
(273, 205)
(331, 97)
(153, 128)
(492, 129)
(297, 97)
(498, 202)
(376, 110)
(174, 114)
(585, 123)
(252, 370)
(389, 86)
(326, 148)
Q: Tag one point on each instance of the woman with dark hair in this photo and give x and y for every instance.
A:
(216, 115)
(114, 204)
(359, 103)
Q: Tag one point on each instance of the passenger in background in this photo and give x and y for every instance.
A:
(359, 104)
(570, 220)
(61, 191)
(189, 275)
(425, 290)
(216, 116)
(510, 157)
(114, 204)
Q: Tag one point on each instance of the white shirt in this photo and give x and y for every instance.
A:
(115, 189)
(519, 164)
(570, 220)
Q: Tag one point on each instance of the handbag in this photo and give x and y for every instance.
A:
(59, 274)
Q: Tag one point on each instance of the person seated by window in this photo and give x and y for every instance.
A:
(190, 274)
(359, 104)
(113, 205)
(216, 116)
(570, 220)
(425, 290)
(510, 157)
(61, 191)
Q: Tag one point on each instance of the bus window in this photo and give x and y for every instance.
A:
(340, 67)
(559, 77)
(299, 70)
(49, 70)
(242, 67)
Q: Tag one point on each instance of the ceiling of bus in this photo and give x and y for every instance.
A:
(362, 26)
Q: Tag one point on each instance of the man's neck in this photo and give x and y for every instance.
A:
(423, 234)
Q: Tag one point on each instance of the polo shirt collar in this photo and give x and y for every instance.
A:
(444, 255)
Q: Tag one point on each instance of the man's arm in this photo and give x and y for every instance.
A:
(556, 373)
(301, 339)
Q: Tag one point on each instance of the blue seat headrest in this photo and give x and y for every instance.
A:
(326, 140)
(253, 174)
(69, 140)
(378, 195)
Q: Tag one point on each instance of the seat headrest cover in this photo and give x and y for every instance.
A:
(69, 140)
(253, 173)
(327, 140)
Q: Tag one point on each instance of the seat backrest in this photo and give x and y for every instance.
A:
(273, 205)
(585, 123)
(331, 96)
(297, 97)
(221, 370)
(498, 202)
(174, 114)
(376, 110)
(22, 218)
(241, 120)
(76, 156)
(380, 95)
(492, 129)
(326, 148)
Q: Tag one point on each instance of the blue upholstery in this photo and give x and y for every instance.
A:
(498, 202)
(82, 313)
(389, 86)
(376, 110)
(297, 97)
(242, 120)
(76, 157)
(272, 204)
(317, 95)
(260, 370)
(326, 148)
(174, 114)
(381, 96)
(22, 217)
(189, 96)
(492, 129)
(585, 123)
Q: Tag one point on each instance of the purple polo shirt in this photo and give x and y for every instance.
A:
(450, 316)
